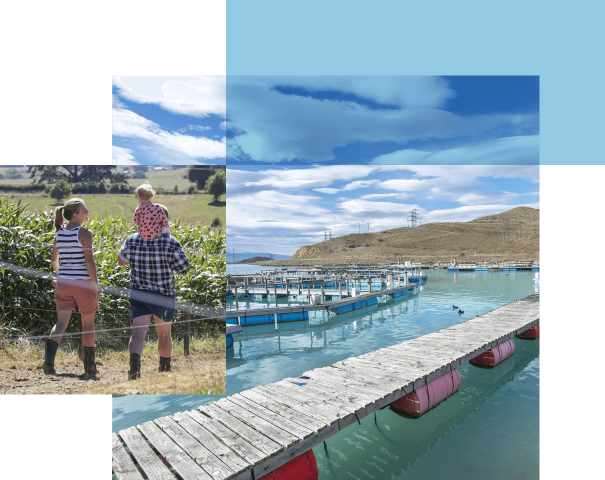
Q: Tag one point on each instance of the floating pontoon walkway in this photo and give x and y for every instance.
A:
(260, 316)
(250, 434)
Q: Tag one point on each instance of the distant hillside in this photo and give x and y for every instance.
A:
(256, 259)
(510, 235)
(247, 255)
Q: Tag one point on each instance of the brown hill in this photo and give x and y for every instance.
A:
(255, 259)
(510, 235)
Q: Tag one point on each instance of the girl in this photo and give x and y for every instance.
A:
(149, 217)
(76, 284)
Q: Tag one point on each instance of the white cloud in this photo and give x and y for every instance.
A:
(128, 124)
(274, 127)
(380, 196)
(488, 197)
(197, 96)
(501, 151)
(242, 182)
(262, 214)
(122, 156)
(402, 91)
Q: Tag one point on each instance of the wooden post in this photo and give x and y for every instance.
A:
(266, 287)
(322, 291)
(347, 281)
(309, 291)
(236, 301)
(369, 282)
(339, 289)
(187, 336)
(275, 289)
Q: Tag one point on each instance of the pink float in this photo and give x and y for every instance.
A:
(496, 355)
(303, 467)
(421, 400)
(531, 333)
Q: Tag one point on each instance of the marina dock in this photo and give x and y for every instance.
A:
(254, 432)
(259, 316)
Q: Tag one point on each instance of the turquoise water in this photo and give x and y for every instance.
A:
(489, 429)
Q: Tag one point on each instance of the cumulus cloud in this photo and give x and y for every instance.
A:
(128, 124)
(198, 96)
(122, 156)
(272, 126)
(520, 150)
(307, 209)
(402, 91)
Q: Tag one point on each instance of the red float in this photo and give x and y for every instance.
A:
(496, 355)
(303, 467)
(531, 333)
(420, 401)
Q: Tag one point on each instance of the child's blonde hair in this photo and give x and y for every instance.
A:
(145, 191)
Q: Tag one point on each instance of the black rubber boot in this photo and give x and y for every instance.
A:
(135, 366)
(49, 356)
(165, 364)
(90, 366)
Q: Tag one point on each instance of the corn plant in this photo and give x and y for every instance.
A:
(27, 304)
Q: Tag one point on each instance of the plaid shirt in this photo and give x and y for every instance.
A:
(152, 262)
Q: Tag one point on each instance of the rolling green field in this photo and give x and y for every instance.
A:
(190, 209)
(159, 179)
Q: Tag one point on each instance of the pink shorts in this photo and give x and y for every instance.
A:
(69, 293)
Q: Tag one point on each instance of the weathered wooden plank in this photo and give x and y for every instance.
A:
(212, 443)
(122, 465)
(239, 445)
(175, 456)
(307, 410)
(328, 399)
(364, 392)
(200, 453)
(145, 456)
(352, 399)
(284, 423)
(260, 441)
(293, 415)
(254, 421)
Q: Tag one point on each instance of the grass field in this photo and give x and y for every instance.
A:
(159, 179)
(191, 209)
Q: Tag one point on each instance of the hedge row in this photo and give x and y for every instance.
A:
(32, 187)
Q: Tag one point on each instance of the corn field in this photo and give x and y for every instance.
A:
(27, 305)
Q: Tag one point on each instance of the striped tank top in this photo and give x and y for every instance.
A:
(72, 264)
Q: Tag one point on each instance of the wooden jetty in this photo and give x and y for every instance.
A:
(252, 433)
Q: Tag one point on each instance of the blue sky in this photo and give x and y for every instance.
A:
(279, 209)
(168, 120)
(383, 120)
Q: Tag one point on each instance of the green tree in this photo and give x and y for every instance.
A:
(75, 173)
(138, 174)
(60, 190)
(13, 174)
(199, 174)
(216, 185)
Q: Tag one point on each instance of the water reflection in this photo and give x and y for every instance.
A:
(387, 445)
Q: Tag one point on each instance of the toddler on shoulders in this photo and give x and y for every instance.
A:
(149, 217)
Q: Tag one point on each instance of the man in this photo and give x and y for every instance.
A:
(152, 283)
